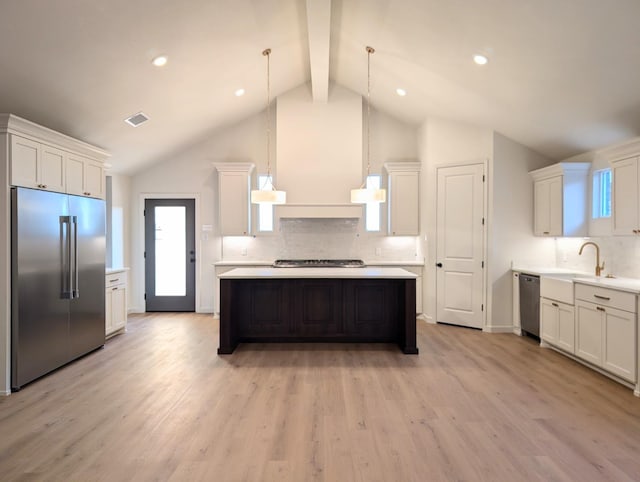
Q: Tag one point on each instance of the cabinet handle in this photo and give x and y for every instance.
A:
(545, 232)
(600, 308)
(635, 231)
(114, 280)
(555, 304)
(114, 289)
(606, 298)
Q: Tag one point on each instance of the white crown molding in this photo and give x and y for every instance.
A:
(399, 166)
(234, 166)
(559, 169)
(13, 124)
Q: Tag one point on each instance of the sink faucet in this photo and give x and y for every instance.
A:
(599, 267)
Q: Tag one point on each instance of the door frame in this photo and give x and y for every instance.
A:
(141, 232)
(486, 199)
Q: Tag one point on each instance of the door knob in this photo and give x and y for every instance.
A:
(439, 265)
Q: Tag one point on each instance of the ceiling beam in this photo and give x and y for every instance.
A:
(319, 28)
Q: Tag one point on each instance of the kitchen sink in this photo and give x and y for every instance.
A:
(557, 287)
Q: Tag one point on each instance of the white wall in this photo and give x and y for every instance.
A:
(121, 200)
(511, 236)
(443, 142)
(191, 173)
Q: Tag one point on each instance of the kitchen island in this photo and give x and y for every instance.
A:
(318, 305)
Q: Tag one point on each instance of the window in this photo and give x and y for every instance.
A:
(601, 194)
(265, 211)
(372, 210)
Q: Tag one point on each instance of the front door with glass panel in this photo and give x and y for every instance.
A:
(170, 255)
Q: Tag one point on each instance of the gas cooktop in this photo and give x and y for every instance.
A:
(318, 263)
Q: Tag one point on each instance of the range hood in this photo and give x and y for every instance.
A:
(319, 153)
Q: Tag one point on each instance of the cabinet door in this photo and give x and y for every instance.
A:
(541, 208)
(318, 307)
(263, 307)
(403, 205)
(566, 327)
(119, 307)
(93, 181)
(589, 332)
(556, 206)
(370, 309)
(619, 347)
(108, 311)
(625, 196)
(234, 203)
(25, 162)
(74, 170)
(548, 207)
(52, 169)
(549, 321)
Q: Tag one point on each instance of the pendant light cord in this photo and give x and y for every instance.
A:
(370, 50)
(267, 53)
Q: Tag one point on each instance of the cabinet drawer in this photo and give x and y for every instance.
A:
(606, 297)
(114, 279)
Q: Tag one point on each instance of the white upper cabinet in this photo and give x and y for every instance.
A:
(403, 198)
(85, 177)
(36, 165)
(561, 195)
(234, 190)
(625, 199)
(40, 158)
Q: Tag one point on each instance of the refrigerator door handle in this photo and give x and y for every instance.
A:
(65, 239)
(76, 289)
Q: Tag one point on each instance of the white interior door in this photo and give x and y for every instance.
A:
(459, 245)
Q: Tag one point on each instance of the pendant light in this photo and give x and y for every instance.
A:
(268, 194)
(364, 194)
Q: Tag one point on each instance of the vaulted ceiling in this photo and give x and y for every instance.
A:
(563, 76)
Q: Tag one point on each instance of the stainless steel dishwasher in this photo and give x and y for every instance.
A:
(530, 304)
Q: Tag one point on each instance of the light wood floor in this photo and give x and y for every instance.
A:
(158, 404)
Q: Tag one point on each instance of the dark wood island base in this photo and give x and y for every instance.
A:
(358, 310)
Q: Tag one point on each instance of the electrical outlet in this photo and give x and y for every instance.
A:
(243, 252)
(378, 251)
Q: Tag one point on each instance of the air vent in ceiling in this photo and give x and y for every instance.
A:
(136, 119)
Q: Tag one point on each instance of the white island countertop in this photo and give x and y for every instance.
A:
(371, 273)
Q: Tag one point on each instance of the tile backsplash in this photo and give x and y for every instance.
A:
(621, 255)
(321, 239)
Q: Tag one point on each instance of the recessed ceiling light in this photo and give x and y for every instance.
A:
(239, 92)
(401, 92)
(160, 60)
(480, 59)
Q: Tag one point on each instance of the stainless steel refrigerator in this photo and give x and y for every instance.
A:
(57, 281)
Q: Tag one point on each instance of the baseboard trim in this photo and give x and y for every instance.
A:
(498, 329)
(426, 318)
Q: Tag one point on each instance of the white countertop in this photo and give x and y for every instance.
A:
(366, 262)
(115, 270)
(632, 285)
(542, 270)
(393, 263)
(250, 273)
(243, 263)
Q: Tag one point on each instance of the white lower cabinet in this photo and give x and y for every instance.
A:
(589, 332)
(606, 335)
(557, 324)
(619, 347)
(115, 303)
